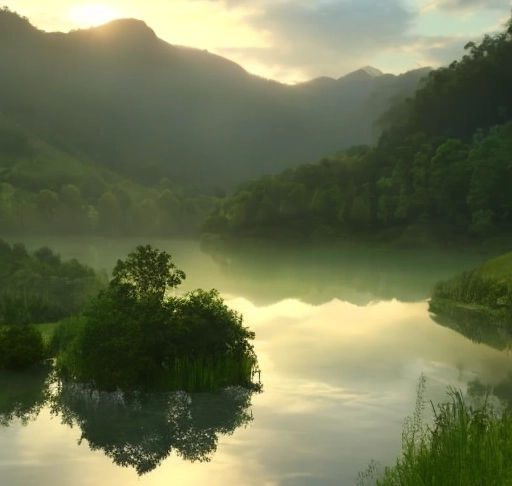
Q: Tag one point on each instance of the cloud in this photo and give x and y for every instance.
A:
(327, 37)
(457, 5)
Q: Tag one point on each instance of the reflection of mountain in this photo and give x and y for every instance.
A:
(317, 274)
(142, 430)
(22, 395)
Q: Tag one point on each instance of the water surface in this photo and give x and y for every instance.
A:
(342, 337)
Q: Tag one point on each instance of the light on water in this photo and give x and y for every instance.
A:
(340, 360)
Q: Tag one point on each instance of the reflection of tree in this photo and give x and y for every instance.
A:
(23, 394)
(502, 391)
(141, 430)
(267, 273)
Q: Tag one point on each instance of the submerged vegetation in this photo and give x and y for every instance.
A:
(466, 445)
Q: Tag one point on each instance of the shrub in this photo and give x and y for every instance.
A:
(21, 346)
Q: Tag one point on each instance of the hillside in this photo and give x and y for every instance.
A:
(138, 105)
(439, 174)
(46, 190)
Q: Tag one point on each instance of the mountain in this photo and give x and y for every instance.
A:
(133, 103)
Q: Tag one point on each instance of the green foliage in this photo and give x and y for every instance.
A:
(135, 335)
(21, 346)
(148, 271)
(39, 287)
(478, 303)
(466, 446)
(489, 286)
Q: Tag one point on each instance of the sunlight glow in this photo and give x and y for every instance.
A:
(91, 15)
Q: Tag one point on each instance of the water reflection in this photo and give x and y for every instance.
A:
(268, 273)
(23, 394)
(502, 390)
(318, 273)
(141, 430)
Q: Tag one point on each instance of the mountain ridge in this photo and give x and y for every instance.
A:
(129, 100)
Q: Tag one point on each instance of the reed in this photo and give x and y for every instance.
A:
(465, 446)
(209, 373)
(472, 288)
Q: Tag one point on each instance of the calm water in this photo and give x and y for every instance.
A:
(342, 338)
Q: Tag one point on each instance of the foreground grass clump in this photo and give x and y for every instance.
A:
(466, 446)
(136, 334)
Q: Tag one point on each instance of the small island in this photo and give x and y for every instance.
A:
(138, 333)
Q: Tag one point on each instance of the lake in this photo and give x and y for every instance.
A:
(342, 336)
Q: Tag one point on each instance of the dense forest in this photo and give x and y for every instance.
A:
(440, 171)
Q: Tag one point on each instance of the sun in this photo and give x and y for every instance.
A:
(91, 15)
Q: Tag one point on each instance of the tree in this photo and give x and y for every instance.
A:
(149, 272)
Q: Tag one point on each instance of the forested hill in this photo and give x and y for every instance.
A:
(137, 105)
(441, 170)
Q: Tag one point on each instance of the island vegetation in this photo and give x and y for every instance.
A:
(137, 333)
(134, 333)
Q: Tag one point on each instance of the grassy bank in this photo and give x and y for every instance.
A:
(484, 293)
(465, 446)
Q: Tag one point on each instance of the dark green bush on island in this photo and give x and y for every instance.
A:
(21, 346)
(135, 334)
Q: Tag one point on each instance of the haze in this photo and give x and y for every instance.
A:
(295, 40)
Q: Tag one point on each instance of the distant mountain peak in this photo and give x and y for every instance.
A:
(366, 72)
(123, 28)
(370, 70)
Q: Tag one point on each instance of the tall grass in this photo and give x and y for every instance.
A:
(474, 289)
(210, 373)
(465, 446)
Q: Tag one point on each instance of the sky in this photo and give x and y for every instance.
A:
(296, 40)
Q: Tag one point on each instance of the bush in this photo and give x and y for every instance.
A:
(134, 335)
(21, 346)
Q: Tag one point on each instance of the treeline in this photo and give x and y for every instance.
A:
(46, 191)
(115, 212)
(441, 169)
(39, 287)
